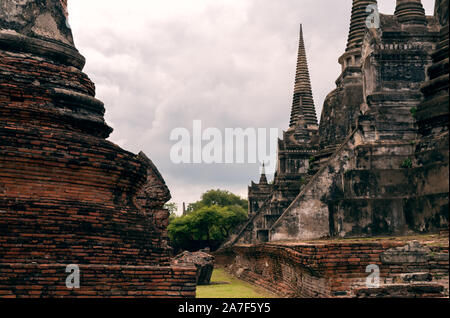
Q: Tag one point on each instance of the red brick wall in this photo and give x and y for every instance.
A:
(33, 280)
(67, 195)
(318, 270)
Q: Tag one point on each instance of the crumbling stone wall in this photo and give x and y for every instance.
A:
(332, 269)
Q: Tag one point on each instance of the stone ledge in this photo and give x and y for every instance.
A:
(88, 102)
(12, 41)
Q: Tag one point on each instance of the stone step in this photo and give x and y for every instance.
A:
(419, 290)
(394, 114)
(389, 129)
(413, 277)
(377, 134)
(388, 126)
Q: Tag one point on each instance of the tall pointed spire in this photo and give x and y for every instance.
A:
(303, 103)
(410, 12)
(263, 179)
(360, 13)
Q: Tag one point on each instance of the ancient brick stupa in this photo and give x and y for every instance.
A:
(376, 191)
(67, 195)
(380, 165)
(268, 201)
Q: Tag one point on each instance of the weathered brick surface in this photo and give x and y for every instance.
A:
(67, 195)
(49, 280)
(324, 269)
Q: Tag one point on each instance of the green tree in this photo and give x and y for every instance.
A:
(180, 230)
(172, 207)
(230, 218)
(209, 220)
(220, 198)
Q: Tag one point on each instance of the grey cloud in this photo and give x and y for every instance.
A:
(230, 63)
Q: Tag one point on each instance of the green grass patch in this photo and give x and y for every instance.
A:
(223, 285)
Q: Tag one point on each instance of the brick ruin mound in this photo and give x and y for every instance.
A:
(67, 195)
(413, 267)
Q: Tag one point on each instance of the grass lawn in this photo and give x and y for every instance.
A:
(223, 285)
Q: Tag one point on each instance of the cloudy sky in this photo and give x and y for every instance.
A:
(160, 64)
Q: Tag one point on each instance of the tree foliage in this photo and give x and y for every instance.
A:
(220, 198)
(172, 207)
(209, 220)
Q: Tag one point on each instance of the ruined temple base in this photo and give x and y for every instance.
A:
(415, 266)
(98, 281)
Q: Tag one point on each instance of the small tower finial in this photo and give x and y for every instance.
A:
(263, 179)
